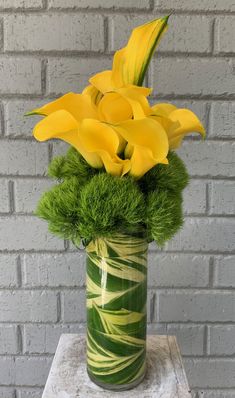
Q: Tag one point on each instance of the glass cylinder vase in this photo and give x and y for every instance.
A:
(116, 310)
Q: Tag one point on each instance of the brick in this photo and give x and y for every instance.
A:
(23, 157)
(30, 32)
(59, 148)
(225, 271)
(29, 393)
(224, 33)
(30, 233)
(192, 5)
(210, 373)
(185, 34)
(217, 394)
(32, 371)
(14, 4)
(179, 270)
(222, 340)
(222, 119)
(8, 340)
(69, 74)
(151, 305)
(156, 328)
(4, 197)
(43, 339)
(206, 158)
(7, 371)
(204, 234)
(8, 270)
(196, 306)
(192, 76)
(122, 4)
(28, 306)
(28, 193)
(54, 270)
(194, 197)
(7, 392)
(190, 338)
(73, 306)
(222, 197)
(16, 123)
(20, 75)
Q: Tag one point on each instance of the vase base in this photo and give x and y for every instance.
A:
(116, 387)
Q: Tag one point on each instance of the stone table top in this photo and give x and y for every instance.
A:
(165, 377)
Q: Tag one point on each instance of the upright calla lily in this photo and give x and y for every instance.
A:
(130, 63)
(112, 123)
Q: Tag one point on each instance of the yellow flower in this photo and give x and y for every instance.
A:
(111, 123)
(130, 63)
(177, 122)
(73, 118)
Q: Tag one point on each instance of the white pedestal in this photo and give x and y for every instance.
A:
(165, 377)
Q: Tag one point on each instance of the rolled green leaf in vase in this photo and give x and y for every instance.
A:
(118, 188)
(116, 310)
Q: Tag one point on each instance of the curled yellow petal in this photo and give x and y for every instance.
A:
(163, 109)
(93, 93)
(131, 62)
(78, 105)
(102, 81)
(136, 97)
(147, 144)
(56, 125)
(113, 108)
(184, 122)
(100, 138)
(63, 125)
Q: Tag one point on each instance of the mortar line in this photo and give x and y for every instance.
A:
(211, 271)
(11, 189)
(19, 340)
(116, 11)
(19, 271)
(213, 32)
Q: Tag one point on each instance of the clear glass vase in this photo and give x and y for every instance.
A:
(116, 310)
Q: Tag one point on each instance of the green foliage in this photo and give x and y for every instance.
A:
(172, 176)
(164, 215)
(89, 203)
(60, 208)
(110, 204)
(71, 165)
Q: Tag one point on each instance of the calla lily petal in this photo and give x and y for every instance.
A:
(184, 122)
(163, 109)
(131, 62)
(147, 141)
(78, 105)
(113, 108)
(93, 93)
(102, 139)
(56, 125)
(137, 100)
(102, 81)
(63, 125)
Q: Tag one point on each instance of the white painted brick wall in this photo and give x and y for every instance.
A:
(49, 47)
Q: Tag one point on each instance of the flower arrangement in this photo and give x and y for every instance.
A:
(121, 171)
(118, 187)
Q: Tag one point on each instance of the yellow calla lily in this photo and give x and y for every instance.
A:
(130, 63)
(78, 105)
(147, 144)
(112, 123)
(61, 124)
(177, 122)
(124, 103)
